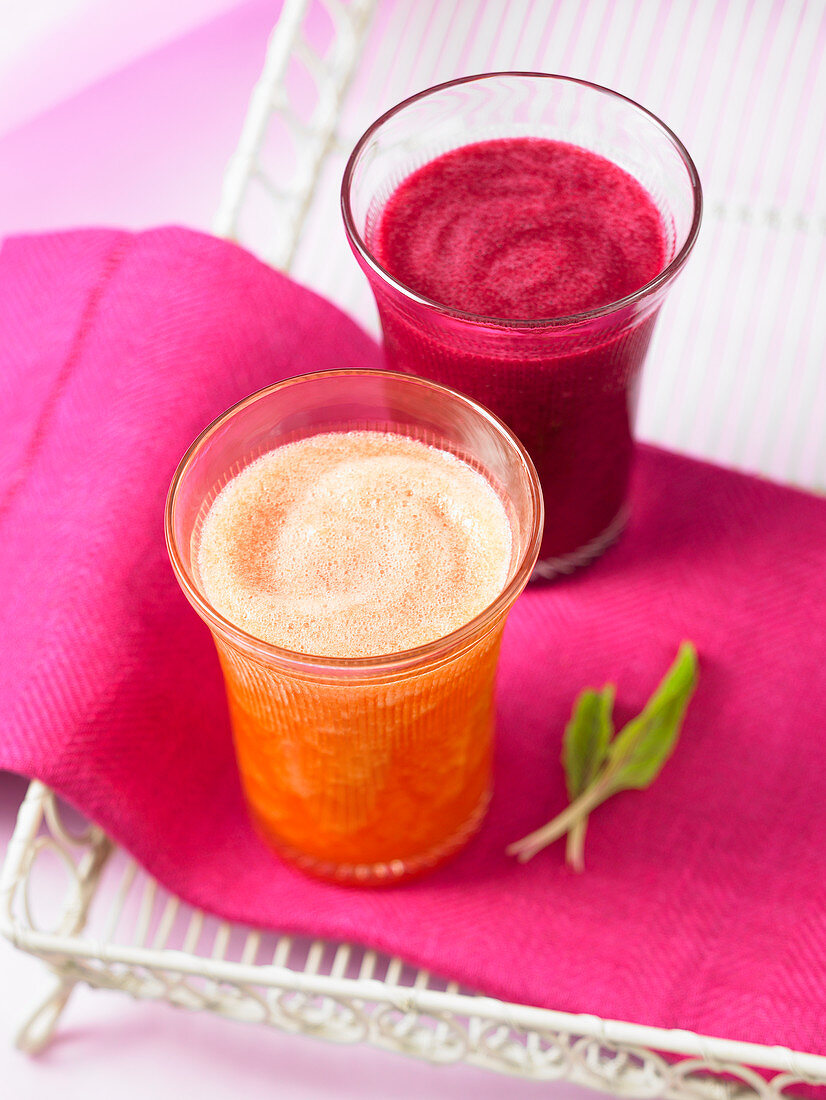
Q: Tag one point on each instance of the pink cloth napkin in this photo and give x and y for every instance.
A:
(704, 901)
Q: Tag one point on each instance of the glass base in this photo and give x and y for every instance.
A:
(548, 568)
(385, 873)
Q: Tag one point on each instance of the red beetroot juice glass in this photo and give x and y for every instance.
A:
(566, 384)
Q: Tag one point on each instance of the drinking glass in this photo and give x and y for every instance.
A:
(567, 386)
(360, 770)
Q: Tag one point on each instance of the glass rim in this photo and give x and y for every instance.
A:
(652, 286)
(437, 649)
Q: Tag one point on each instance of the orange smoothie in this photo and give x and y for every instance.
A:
(360, 544)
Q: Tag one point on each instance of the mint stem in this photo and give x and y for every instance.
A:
(534, 842)
(575, 845)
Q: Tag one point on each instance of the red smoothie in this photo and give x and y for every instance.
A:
(530, 230)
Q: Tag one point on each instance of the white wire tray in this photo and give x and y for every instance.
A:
(750, 296)
(117, 928)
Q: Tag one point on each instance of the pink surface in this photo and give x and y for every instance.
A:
(56, 48)
(139, 145)
(704, 903)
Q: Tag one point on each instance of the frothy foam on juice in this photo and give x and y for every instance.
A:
(354, 544)
(521, 228)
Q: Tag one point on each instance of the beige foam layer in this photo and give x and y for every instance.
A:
(354, 544)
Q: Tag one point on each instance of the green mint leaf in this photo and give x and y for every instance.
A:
(597, 767)
(586, 738)
(639, 751)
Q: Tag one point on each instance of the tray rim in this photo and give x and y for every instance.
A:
(70, 954)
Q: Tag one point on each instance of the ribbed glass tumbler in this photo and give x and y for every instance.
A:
(567, 385)
(372, 769)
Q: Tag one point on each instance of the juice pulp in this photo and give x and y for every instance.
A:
(359, 544)
(530, 229)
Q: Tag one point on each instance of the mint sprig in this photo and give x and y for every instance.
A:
(599, 764)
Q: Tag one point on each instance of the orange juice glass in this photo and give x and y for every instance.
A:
(360, 770)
